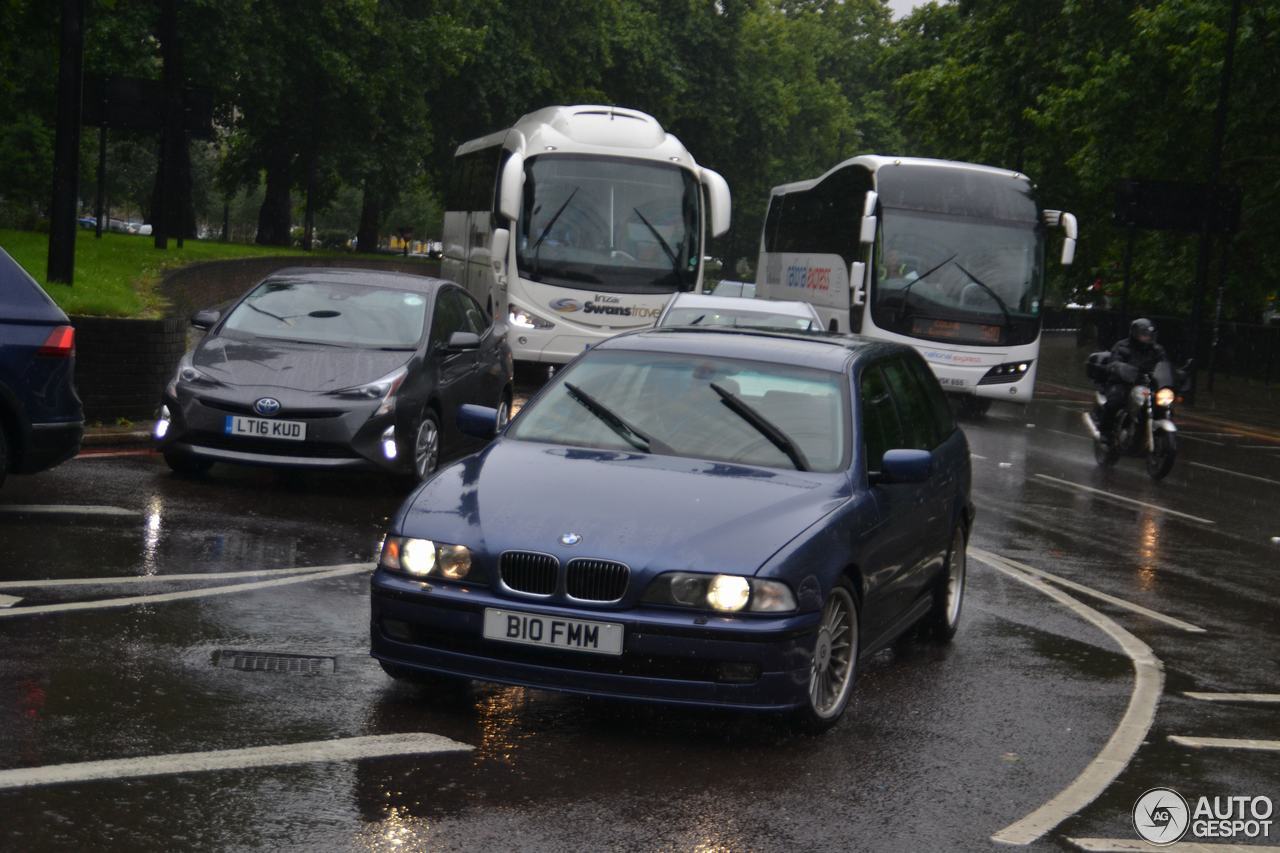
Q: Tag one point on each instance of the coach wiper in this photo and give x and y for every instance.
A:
(666, 249)
(763, 425)
(1008, 318)
(537, 244)
(631, 435)
(906, 291)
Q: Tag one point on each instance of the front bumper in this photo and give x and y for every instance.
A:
(340, 436)
(669, 656)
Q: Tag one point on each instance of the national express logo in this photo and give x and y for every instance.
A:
(603, 304)
(809, 278)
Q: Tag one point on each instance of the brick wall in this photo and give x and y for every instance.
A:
(123, 365)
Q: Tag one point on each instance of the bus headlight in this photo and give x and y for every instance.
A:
(523, 319)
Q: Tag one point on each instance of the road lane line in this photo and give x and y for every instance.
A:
(131, 579)
(1226, 743)
(1122, 499)
(976, 456)
(9, 600)
(1075, 435)
(135, 600)
(65, 509)
(1090, 591)
(1235, 697)
(1235, 473)
(1212, 434)
(312, 752)
(1201, 440)
(1135, 845)
(1258, 446)
(1148, 682)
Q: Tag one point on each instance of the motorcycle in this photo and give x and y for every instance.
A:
(1144, 426)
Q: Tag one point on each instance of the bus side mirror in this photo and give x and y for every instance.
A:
(720, 200)
(499, 242)
(868, 234)
(857, 291)
(511, 187)
(1071, 229)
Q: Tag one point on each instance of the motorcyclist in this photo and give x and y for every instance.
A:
(1139, 350)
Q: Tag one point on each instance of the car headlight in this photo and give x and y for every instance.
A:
(383, 389)
(190, 374)
(523, 319)
(1165, 397)
(424, 558)
(724, 593)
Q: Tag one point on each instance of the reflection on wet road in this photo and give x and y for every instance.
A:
(943, 747)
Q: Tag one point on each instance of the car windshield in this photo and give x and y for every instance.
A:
(951, 278)
(329, 313)
(608, 223)
(669, 399)
(693, 316)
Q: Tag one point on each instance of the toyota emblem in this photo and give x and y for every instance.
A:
(267, 406)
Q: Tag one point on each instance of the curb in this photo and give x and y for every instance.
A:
(136, 436)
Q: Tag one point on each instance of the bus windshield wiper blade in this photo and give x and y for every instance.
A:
(631, 435)
(1008, 318)
(764, 426)
(907, 290)
(537, 244)
(671, 256)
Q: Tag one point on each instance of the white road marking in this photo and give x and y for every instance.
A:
(1122, 499)
(1134, 845)
(987, 557)
(1212, 434)
(1201, 440)
(1226, 743)
(130, 579)
(346, 749)
(1069, 434)
(976, 456)
(1235, 697)
(1235, 473)
(1148, 681)
(131, 601)
(1258, 446)
(9, 600)
(64, 509)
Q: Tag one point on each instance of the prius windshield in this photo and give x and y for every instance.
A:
(329, 313)
(609, 224)
(706, 408)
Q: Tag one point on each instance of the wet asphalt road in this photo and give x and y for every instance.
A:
(942, 747)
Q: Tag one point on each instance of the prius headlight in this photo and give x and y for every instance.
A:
(383, 389)
(723, 593)
(424, 558)
(189, 374)
(1165, 397)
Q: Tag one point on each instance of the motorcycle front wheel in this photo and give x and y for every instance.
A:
(1163, 451)
(1104, 453)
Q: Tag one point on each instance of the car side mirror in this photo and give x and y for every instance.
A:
(905, 466)
(477, 421)
(460, 341)
(206, 319)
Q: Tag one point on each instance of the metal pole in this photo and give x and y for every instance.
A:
(66, 145)
(102, 178)
(1128, 269)
(1217, 313)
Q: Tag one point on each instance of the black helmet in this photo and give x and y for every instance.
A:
(1142, 331)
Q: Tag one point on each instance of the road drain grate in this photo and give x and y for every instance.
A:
(283, 664)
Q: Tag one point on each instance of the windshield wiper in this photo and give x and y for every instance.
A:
(907, 290)
(764, 426)
(537, 244)
(666, 249)
(1008, 318)
(284, 320)
(630, 434)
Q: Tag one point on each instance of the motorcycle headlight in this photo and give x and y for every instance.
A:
(725, 593)
(383, 389)
(425, 558)
(1165, 397)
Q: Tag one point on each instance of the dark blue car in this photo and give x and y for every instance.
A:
(41, 419)
(724, 517)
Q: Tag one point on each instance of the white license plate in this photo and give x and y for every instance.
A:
(263, 428)
(536, 629)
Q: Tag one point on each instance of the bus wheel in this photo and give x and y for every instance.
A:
(973, 406)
